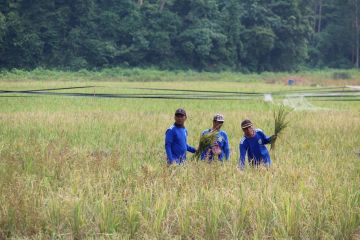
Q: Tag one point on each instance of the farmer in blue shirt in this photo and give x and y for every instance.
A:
(220, 149)
(253, 143)
(176, 140)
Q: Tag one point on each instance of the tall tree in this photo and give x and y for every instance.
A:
(231, 14)
(293, 32)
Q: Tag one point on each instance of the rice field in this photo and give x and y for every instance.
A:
(86, 160)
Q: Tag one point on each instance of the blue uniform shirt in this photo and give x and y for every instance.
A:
(222, 141)
(255, 149)
(176, 144)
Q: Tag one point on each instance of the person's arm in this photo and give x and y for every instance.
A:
(265, 139)
(243, 149)
(188, 147)
(226, 147)
(168, 143)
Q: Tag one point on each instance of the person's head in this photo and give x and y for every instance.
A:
(180, 116)
(218, 121)
(247, 128)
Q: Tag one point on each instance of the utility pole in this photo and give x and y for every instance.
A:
(320, 16)
(162, 4)
(356, 2)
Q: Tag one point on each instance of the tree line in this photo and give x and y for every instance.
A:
(212, 35)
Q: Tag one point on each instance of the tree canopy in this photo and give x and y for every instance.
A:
(246, 35)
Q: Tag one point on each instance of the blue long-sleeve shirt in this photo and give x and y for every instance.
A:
(176, 144)
(222, 141)
(255, 149)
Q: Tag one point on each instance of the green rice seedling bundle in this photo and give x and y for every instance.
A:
(280, 123)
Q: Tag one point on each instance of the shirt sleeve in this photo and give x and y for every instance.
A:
(243, 148)
(226, 147)
(265, 139)
(168, 143)
(188, 147)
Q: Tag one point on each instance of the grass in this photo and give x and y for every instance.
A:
(315, 77)
(74, 167)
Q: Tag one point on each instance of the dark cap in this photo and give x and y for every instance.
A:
(246, 123)
(219, 117)
(180, 111)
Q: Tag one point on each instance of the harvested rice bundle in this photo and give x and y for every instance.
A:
(206, 142)
(279, 122)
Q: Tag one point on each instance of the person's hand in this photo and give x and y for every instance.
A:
(216, 149)
(273, 137)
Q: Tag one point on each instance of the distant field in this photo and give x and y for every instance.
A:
(84, 158)
(334, 77)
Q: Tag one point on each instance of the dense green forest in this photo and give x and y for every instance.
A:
(212, 35)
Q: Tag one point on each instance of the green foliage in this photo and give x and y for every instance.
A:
(208, 35)
(337, 35)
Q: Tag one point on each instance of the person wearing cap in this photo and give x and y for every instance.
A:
(176, 144)
(253, 143)
(221, 147)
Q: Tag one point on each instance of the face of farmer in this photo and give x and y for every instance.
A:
(217, 125)
(180, 119)
(249, 131)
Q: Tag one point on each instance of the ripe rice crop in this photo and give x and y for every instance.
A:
(75, 167)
